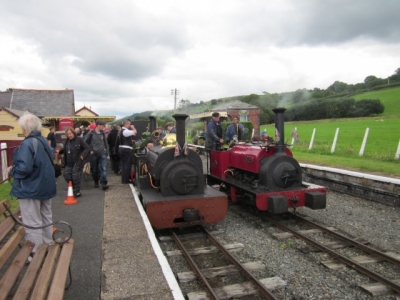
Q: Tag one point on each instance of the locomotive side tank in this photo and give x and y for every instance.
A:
(172, 186)
(265, 174)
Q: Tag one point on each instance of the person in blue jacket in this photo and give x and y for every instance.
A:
(234, 132)
(34, 181)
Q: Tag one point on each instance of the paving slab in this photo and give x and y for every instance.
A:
(113, 257)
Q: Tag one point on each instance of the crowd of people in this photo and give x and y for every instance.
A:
(34, 181)
(91, 145)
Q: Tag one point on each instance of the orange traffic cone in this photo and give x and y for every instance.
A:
(70, 198)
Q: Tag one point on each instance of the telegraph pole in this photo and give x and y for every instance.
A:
(175, 92)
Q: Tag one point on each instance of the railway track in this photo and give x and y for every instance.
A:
(357, 263)
(210, 278)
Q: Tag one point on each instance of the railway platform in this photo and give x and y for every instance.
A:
(115, 254)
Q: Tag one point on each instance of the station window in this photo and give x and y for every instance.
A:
(243, 118)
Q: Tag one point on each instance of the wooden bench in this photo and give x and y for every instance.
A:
(45, 277)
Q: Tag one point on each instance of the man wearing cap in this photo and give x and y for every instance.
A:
(214, 133)
(125, 150)
(170, 127)
(98, 145)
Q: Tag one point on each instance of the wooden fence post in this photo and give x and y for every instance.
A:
(4, 161)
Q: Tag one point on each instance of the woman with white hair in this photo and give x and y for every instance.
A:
(34, 181)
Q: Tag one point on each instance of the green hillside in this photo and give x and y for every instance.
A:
(389, 97)
(379, 154)
(381, 147)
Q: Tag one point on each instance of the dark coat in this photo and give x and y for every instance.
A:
(214, 134)
(111, 140)
(33, 172)
(78, 148)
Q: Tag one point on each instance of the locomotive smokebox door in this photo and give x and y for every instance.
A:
(277, 204)
(316, 200)
(190, 215)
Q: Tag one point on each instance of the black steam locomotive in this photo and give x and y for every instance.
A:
(172, 186)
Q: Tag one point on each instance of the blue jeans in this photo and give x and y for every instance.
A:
(98, 166)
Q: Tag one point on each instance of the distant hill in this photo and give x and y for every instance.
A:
(390, 98)
(387, 90)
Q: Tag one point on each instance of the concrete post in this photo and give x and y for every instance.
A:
(364, 143)
(312, 139)
(335, 140)
(398, 152)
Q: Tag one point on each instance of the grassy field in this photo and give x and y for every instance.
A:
(381, 147)
(379, 153)
(390, 98)
(5, 189)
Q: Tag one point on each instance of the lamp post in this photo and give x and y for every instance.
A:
(175, 92)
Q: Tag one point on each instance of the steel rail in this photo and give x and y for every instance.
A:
(356, 244)
(195, 267)
(261, 288)
(335, 255)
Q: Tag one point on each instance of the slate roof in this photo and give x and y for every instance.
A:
(234, 105)
(5, 99)
(44, 102)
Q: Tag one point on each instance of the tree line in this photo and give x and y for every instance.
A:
(333, 102)
(302, 104)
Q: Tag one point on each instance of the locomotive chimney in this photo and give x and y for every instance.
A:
(152, 123)
(279, 126)
(180, 128)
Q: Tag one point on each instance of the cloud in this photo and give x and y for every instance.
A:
(126, 56)
(126, 43)
(313, 22)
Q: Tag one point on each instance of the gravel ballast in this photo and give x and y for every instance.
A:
(306, 277)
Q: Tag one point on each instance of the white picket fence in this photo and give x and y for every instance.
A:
(363, 145)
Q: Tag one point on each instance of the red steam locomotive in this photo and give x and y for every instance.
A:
(264, 174)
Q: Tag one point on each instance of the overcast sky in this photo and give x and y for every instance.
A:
(122, 57)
